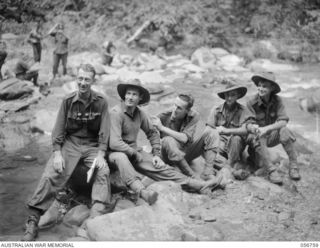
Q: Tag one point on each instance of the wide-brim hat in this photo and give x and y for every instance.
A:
(122, 89)
(267, 76)
(232, 86)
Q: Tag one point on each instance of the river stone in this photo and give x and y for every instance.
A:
(14, 88)
(267, 65)
(43, 120)
(261, 183)
(76, 215)
(204, 58)
(142, 223)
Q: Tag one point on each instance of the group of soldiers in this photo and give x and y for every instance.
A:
(85, 130)
(25, 69)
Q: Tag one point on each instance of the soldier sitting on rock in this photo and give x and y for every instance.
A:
(25, 69)
(177, 127)
(232, 120)
(126, 121)
(81, 132)
(272, 119)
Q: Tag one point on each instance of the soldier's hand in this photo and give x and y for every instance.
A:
(137, 157)
(101, 163)
(263, 131)
(156, 122)
(157, 162)
(58, 162)
(221, 129)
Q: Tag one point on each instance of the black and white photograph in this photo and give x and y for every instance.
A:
(160, 120)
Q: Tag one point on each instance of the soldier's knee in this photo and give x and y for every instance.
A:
(117, 157)
(286, 135)
(168, 142)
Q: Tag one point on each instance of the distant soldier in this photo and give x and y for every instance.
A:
(61, 50)
(25, 70)
(35, 40)
(108, 52)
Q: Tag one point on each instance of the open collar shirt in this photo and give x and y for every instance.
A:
(125, 127)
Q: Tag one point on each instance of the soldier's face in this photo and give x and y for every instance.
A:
(132, 97)
(264, 88)
(180, 109)
(84, 81)
(231, 97)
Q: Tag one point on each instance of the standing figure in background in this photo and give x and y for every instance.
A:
(61, 50)
(108, 53)
(34, 39)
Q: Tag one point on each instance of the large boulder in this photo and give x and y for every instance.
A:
(14, 88)
(162, 221)
(43, 120)
(204, 58)
(266, 65)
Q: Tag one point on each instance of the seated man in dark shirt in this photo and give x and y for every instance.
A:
(81, 132)
(24, 71)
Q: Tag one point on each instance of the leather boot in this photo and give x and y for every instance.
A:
(293, 164)
(185, 168)
(202, 186)
(275, 177)
(149, 196)
(31, 231)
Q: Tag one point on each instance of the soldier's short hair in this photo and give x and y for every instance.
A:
(87, 68)
(187, 98)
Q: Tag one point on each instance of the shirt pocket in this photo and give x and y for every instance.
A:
(94, 121)
(74, 123)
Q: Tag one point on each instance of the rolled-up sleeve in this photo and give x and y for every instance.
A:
(104, 132)
(116, 141)
(58, 133)
(212, 119)
(151, 133)
(281, 111)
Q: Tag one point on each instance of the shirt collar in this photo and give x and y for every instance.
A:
(259, 101)
(93, 96)
(124, 109)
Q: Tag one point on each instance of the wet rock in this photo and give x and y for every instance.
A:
(76, 215)
(230, 61)
(219, 52)
(143, 223)
(204, 58)
(189, 237)
(150, 62)
(124, 204)
(155, 88)
(267, 65)
(43, 120)
(82, 233)
(261, 183)
(14, 88)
